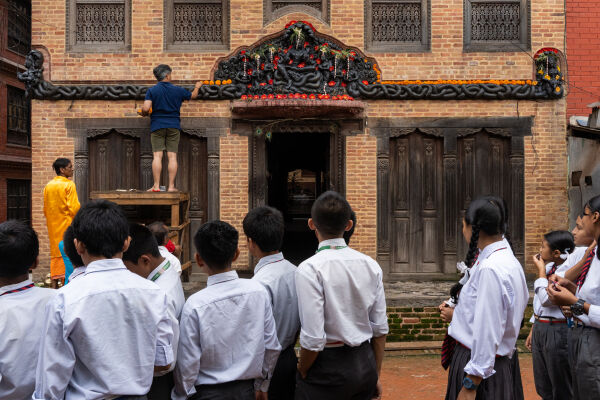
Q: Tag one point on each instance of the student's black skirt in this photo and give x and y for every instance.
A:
(503, 385)
(551, 368)
(283, 382)
(234, 390)
(584, 358)
(340, 373)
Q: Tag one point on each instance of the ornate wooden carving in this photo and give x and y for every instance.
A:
(274, 9)
(196, 24)
(100, 23)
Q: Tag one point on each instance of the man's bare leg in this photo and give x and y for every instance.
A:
(172, 170)
(156, 170)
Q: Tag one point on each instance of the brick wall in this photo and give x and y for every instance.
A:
(545, 151)
(583, 54)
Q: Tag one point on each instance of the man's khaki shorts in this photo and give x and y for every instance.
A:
(165, 138)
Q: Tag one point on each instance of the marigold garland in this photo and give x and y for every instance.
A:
(461, 82)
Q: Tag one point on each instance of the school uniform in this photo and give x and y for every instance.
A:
(549, 341)
(342, 307)
(277, 275)
(103, 334)
(76, 272)
(584, 337)
(486, 327)
(167, 278)
(21, 322)
(228, 344)
(171, 257)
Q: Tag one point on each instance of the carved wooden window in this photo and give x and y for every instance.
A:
(17, 117)
(19, 26)
(197, 24)
(99, 25)
(274, 9)
(397, 25)
(500, 25)
(18, 199)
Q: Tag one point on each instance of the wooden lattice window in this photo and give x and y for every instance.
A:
(197, 24)
(19, 26)
(497, 25)
(274, 9)
(397, 25)
(18, 199)
(17, 117)
(99, 25)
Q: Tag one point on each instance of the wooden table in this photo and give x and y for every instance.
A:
(179, 202)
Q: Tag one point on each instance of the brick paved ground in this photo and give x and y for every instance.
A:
(422, 377)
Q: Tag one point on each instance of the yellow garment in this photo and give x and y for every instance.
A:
(60, 206)
(57, 268)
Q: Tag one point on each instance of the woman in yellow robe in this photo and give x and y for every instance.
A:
(60, 206)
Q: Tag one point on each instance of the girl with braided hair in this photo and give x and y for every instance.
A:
(486, 321)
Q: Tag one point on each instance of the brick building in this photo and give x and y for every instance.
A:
(15, 132)
(448, 105)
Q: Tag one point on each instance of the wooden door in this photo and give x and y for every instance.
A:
(114, 162)
(416, 165)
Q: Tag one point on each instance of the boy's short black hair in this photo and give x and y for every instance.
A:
(60, 163)
(348, 234)
(161, 71)
(19, 248)
(265, 226)
(216, 243)
(102, 227)
(330, 213)
(142, 242)
(159, 231)
(69, 248)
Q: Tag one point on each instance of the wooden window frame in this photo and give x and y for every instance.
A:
(195, 46)
(28, 118)
(524, 43)
(269, 15)
(27, 184)
(14, 14)
(71, 23)
(399, 47)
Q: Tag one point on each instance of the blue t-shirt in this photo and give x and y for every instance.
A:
(166, 102)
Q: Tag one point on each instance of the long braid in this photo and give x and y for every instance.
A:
(472, 252)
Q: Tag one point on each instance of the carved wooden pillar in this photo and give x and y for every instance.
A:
(337, 167)
(258, 162)
(516, 207)
(383, 204)
(81, 166)
(146, 180)
(450, 202)
(214, 165)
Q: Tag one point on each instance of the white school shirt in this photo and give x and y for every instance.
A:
(489, 324)
(277, 275)
(21, 323)
(340, 297)
(171, 257)
(104, 333)
(227, 334)
(590, 293)
(168, 280)
(542, 306)
(76, 272)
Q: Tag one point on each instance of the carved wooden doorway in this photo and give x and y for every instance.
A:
(289, 172)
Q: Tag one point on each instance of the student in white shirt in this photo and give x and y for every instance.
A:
(583, 298)
(264, 228)
(342, 312)
(21, 310)
(71, 252)
(486, 320)
(228, 345)
(109, 330)
(548, 337)
(161, 234)
(143, 258)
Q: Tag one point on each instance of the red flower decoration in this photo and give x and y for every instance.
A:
(304, 96)
(312, 56)
(312, 96)
(343, 84)
(297, 95)
(318, 61)
(256, 97)
(263, 84)
(291, 62)
(305, 44)
(271, 96)
(316, 48)
(331, 68)
(243, 52)
(365, 82)
(301, 65)
(331, 83)
(249, 72)
(344, 72)
(264, 97)
(270, 81)
(276, 58)
(320, 96)
(325, 96)
(243, 97)
(262, 66)
(290, 46)
(290, 24)
(249, 86)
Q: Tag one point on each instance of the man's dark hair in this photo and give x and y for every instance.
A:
(142, 242)
(69, 248)
(60, 163)
(19, 248)
(161, 71)
(102, 227)
(159, 231)
(348, 234)
(331, 213)
(265, 226)
(216, 243)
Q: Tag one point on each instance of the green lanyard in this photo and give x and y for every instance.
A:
(161, 271)
(330, 248)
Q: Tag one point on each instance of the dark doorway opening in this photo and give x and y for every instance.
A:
(298, 171)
